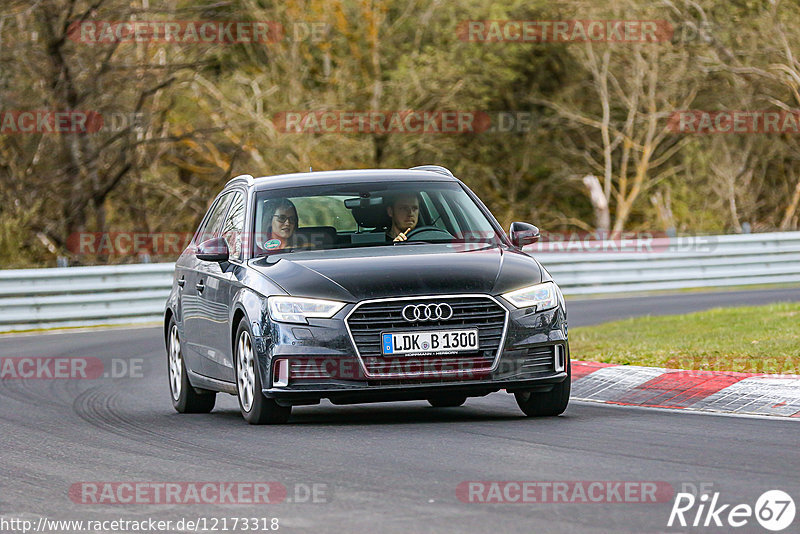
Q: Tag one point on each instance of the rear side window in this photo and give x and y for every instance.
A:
(212, 223)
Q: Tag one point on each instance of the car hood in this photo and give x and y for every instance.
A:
(406, 270)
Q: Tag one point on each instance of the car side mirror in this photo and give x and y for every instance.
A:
(522, 234)
(215, 249)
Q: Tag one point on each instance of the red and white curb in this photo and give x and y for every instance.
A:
(708, 391)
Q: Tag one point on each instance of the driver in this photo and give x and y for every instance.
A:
(404, 213)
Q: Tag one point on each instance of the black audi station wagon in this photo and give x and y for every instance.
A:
(361, 286)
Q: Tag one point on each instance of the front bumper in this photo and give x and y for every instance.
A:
(532, 340)
(362, 393)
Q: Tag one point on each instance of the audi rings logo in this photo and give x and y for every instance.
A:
(427, 312)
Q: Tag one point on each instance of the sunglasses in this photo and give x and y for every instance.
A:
(283, 218)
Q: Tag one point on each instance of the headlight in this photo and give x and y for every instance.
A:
(298, 310)
(541, 296)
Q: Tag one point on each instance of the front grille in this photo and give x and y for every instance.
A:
(369, 320)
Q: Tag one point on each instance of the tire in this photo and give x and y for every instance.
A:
(185, 399)
(256, 408)
(545, 404)
(447, 401)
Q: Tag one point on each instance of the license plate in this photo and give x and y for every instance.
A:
(429, 342)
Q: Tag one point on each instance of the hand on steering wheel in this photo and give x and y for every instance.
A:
(421, 229)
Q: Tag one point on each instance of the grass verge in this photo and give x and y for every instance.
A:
(757, 339)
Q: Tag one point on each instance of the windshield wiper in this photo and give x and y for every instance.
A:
(272, 256)
(417, 242)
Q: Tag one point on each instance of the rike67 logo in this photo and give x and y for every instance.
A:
(774, 510)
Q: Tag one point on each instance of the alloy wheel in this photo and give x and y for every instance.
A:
(246, 377)
(175, 363)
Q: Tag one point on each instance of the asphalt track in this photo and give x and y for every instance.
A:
(390, 467)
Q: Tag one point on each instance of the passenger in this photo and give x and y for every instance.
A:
(279, 224)
(404, 212)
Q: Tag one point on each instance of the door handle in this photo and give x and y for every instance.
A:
(200, 286)
(181, 281)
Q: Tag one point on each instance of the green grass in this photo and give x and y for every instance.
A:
(758, 339)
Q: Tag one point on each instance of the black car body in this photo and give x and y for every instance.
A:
(352, 316)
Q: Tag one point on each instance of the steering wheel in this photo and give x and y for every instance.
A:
(434, 231)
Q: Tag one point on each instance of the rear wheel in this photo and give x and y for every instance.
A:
(185, 399)
(256, 408)
(447, 401)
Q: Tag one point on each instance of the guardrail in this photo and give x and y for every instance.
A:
(676, 263)
(85, 296)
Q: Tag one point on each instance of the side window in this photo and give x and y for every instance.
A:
(233, 226)
(213, 221)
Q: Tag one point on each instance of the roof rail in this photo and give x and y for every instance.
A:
(246, 177)
(433, 168)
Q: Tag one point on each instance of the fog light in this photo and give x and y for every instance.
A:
(561, 360)
(280, 373)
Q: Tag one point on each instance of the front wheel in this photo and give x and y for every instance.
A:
(547, 403)
(184, 397)
(256, 408)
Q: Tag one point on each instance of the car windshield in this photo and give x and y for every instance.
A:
(336, 216)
